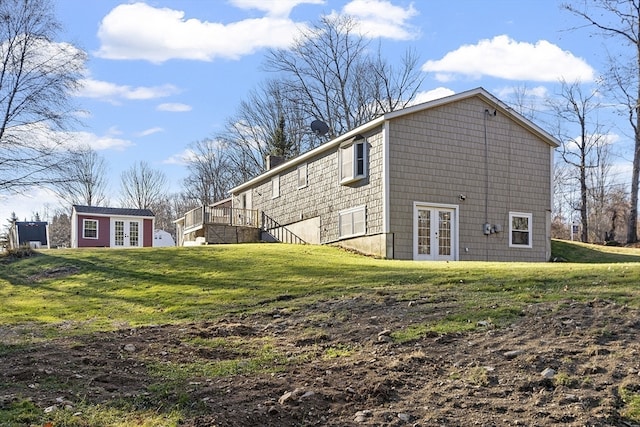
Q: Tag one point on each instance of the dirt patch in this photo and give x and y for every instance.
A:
(338, 365)
(56, 272)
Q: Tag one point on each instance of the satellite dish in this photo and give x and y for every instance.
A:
(319, 127)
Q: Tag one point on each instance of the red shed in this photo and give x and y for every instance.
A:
(97, 227)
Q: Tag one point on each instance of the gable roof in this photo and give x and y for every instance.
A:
(97, 210)
(477, 92)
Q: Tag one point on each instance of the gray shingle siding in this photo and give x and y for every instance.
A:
(324, 196)
(438, 154)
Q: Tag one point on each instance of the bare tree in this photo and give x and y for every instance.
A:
(211, 174)
(60, 229)
(331, 74)
(165, 214)
(37, 77)
(620, 20)
(84, 179)
(141, 186)
(265, 120)
(573, 106)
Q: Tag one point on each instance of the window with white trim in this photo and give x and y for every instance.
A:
(520, 226)
(89, 229)
(302, 176)
(353, 161)
(352, 222)
(275, 187)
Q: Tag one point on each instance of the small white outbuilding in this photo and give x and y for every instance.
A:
(162, 239)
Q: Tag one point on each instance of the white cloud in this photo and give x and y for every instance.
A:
(181, 158)
(27, 204)
(505, 58)
(111, 92)
(538, 92)
(41, 136)
(380, 18)
(601, 139)
(273, 8)
(174, 107)
(45, 56)
(98, 142)
(430, 95)
(140, 31)
(150, 131)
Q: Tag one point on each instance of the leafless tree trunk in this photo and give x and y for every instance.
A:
(573, 106)
(84, 179)
(210, 173)
(249, 134)
(620, 20)
(142, 187)
(37, 77)
(331, 74)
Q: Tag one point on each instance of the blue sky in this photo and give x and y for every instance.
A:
(162, 74)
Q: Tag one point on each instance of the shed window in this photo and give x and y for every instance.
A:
(520, 226)
(352, 222)
(353, 161)
(89, 229)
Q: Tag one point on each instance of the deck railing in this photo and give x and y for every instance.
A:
(279, 232)
(199, 216)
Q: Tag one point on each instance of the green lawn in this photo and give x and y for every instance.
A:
(100, 290)
(169, 285)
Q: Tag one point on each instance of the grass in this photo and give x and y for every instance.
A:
(109, 289)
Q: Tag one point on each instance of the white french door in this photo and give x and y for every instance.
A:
(435, 232)
(125, 233)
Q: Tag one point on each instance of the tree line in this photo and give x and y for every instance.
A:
(331, 73)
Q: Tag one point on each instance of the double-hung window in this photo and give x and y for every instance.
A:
(520, 227)
(352, 222)
(89, 229)
(353, 161)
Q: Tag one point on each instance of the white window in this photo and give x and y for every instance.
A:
(275, 187)
(353, 161)
(520, 226)
(302, 176)
(352, 222)
(89, 229)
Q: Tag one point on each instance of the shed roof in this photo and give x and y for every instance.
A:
(98, 210)
(477, 92)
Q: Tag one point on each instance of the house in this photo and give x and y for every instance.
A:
(34, 234)
(463, 177)
(93, 226)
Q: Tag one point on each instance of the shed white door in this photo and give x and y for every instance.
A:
(126, 233)
(435, 233)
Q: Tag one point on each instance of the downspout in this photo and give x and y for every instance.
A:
(487, 225)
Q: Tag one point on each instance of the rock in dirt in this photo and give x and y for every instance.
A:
(362, 416)
(129, 348)
(548, 373)
(513, 354)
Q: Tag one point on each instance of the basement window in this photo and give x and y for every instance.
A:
(520, 226)
(352, 222)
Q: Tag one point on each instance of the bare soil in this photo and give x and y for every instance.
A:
(489, 377)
